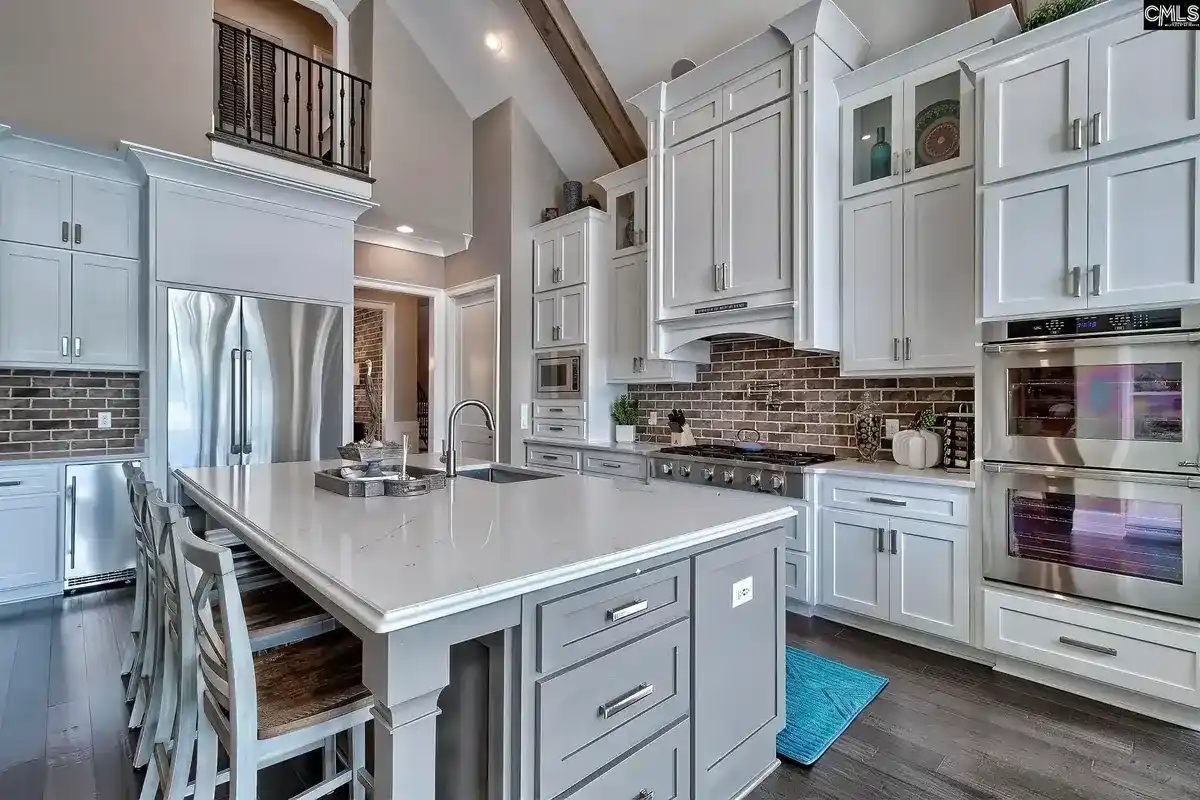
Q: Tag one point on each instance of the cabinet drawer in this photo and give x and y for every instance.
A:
(800, 537)
(694, 117)
(555, 457)
(1155, 660)
(661, 770)
(26, 480)
(796, 583)
(897, 499)
(558, 409)
(615, 465)
(589, 715)
(554, 429)
(758, 87)
(580, 625)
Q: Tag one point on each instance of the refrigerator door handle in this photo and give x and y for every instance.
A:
(247, 418)
(235, 401)
(74, 515)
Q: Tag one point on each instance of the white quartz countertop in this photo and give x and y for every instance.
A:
(893, 471)
(640, 448)
(396, 562)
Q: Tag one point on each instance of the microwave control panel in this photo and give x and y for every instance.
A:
(1120, 322)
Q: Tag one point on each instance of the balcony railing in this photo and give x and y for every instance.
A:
(271, 97)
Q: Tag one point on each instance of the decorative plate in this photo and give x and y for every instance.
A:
(937, 132)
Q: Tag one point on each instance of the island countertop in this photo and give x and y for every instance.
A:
(397, 562)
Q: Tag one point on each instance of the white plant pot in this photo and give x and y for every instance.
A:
(626, 434)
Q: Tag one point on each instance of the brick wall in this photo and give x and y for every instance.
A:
(52, 413)
(368, 346)
(814, 403)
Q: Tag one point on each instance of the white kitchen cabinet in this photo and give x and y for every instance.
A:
(35, 305)
(29, 538)
(855, 570)
(35, 204)
(1144, 228)
(545, 260)
(929, 577)
(106, 216)
(1035, 112)
(560, 255)
(908, 277)
(692, 215)
(628, 359)
(627, 207)
(105, 310)
(560, 317)
(1035, 238)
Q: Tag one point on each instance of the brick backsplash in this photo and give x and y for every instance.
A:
(368, 346)
(46, 412)
(814, 401)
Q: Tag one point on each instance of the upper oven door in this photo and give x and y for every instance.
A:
(1128, 402)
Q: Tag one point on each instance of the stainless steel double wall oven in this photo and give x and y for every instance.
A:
(1091, 448)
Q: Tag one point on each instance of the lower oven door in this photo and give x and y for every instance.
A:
(1121, 537)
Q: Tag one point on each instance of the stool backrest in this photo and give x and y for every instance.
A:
(224, 655)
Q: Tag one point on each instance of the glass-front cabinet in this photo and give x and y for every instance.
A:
(627, 206)
(910, 128)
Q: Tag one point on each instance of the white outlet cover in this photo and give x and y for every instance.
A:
(743, 591)
(524, 416)
(891, 427)
(104, 420)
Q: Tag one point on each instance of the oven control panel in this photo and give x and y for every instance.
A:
(1121, 322)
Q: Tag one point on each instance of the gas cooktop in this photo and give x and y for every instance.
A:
(769, 471)
(767, 455)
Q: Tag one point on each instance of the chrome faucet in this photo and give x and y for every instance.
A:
(449, 454)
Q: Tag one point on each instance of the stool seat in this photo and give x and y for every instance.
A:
(278, 614)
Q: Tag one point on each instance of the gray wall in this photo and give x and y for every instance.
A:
(390, 264)
(98, 72)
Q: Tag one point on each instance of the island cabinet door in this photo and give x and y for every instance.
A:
(738, 667)
(930, 573)
(855, 570)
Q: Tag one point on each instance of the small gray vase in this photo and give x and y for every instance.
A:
(572, 196)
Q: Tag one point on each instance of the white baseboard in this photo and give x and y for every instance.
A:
(31, 592)
(916, 638)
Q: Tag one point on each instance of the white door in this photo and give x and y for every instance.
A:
(545, 260)
(1143, 87)
(939, 272)
(691, 220)
(1144, 228)
(1035, 112)
(474, 339)
(29, 538)
(571, 315)
(1035, 234)
(930, 576)
(105, 310)
(854, 562)
(873, 141)
(939, 120)
(758, 201)
(872, 295)
(35, 204)
(545, 321)
(35, 304)
(572, 254)
(628, 311)
(106, 217)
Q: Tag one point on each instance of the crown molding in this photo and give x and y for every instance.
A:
(634, 172)
(413, 244)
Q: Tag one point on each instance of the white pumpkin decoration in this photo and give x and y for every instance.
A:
(919, 449)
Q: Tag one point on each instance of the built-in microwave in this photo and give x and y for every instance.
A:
(558, 375)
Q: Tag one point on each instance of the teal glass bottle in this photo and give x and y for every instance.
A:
(881, 156)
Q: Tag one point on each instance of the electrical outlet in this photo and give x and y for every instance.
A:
(524, 416)
(743, 591)
(891, 427)
(104, 420)
(653, 417)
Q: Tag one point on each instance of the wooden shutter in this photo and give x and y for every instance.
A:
(263, 68)
(231, 92)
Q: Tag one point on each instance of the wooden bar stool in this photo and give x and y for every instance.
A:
(269, 706)
(139, 593)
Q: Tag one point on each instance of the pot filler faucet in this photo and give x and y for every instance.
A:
(449, 454)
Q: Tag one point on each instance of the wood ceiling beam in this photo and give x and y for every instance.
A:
(587, 80)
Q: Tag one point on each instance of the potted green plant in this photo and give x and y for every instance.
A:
(1053, 10)
(624, 416)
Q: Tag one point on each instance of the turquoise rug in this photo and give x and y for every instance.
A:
(823, 698)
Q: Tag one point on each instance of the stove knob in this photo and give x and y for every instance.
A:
(755, 479)
(708, 473)
(776, 482)
(666, 468)
(685, 470)
(727, 476)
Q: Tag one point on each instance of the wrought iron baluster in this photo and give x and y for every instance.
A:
(362, 134)
(308, 112)
(249, 90)
(350, 163)
(342, 121)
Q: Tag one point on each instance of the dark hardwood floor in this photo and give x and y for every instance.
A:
(942, 729)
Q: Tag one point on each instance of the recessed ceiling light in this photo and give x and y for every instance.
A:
(866, 137)
(493, 41)
(405, 228)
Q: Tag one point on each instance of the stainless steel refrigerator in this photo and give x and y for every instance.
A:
(99, 546)
(252, 381)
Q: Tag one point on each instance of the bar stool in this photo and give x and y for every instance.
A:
(139, 592)
(269, 706)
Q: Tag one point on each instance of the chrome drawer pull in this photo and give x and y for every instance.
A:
(610, 465)
(9, 484)
(883, 501)
(624, 612)
(619, 704)
(1095, 648)
(557, 410)
(549, 458)
(555, 428)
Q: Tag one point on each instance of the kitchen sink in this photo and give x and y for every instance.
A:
(502, 473)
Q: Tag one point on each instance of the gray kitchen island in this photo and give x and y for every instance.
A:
(636, 631)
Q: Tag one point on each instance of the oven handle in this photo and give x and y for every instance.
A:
(1095, 474)
(1188, 337)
